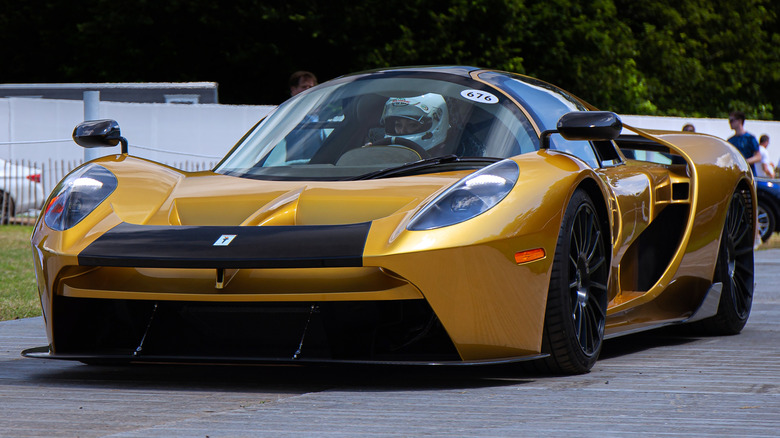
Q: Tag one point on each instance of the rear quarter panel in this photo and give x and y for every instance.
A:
(716, 170)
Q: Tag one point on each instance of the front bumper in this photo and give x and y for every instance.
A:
(176, 294)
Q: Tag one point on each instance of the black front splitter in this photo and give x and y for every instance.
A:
(45, 353)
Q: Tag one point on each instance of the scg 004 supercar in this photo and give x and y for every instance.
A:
(436, 215)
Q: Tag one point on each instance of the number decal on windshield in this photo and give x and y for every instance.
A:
(479, 96)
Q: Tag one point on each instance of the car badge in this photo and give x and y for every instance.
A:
(224, 240)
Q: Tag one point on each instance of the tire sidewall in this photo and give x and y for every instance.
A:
(559, 324)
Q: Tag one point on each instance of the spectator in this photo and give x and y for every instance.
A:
(688, 128)
(766, 168)
(744, 141)
(777, 167)
(301, 81)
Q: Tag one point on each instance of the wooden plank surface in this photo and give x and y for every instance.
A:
(654, 384)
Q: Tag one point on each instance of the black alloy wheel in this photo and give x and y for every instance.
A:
(734, 269)
(577, 299)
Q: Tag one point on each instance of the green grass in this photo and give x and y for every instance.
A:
(18, 292)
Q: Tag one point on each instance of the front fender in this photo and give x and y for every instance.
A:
(491, 306)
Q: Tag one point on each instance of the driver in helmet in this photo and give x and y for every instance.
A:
(421, 119)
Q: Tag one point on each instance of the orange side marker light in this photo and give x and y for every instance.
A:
(529, 255)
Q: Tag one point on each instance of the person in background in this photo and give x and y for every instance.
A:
(302, 144)
(744, 141)
(766, 168)
(688, 128)
(301, 81)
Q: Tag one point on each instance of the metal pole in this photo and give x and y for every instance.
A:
(91, 112)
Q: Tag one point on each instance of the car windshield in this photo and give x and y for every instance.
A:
(357, 126)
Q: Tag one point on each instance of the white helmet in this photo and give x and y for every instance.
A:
(421, 119)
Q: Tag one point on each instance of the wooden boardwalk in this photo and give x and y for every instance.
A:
(644, 385)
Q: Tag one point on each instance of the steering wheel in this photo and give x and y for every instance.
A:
(405, 142)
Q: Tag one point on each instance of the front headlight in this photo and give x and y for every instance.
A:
(78, 195)
(468, 198)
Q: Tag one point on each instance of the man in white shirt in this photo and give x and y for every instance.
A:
(765, 168)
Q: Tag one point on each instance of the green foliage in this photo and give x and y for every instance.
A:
(705, 57)
(453, 32)
(682, 57)
(586, 48)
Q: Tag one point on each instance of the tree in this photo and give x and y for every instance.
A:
(705, 57)
(687, 57)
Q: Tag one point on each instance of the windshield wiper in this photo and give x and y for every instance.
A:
(423, 164)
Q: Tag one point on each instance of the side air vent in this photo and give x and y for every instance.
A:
(647, 258)
(680, 191)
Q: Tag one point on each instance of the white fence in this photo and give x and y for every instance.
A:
(39, 129)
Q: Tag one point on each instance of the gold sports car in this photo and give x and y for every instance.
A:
(434, 215)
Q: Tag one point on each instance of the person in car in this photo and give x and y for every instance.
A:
(420, 119)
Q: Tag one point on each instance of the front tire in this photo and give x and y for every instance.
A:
(577, 299)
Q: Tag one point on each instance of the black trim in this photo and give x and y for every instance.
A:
(306, 246)
(382, 330)
(630, 143)
(641, 143)
(44, 352)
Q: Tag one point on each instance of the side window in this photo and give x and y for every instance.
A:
(496, 130)
(580, 148)
(608, 153)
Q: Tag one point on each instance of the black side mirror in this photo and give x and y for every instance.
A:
(99, 133)
(586, 125)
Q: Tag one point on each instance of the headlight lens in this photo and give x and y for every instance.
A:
(468, 198)
(78, 195)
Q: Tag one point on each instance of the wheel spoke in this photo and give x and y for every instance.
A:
(574, 243)
(587, 332)
(578, 317)
(743, 267)
(731, 219)
(740, 297)
(594, 246)
(598, 312)
(733, 215)
(573, 261)
(594, 317)
(742, 233)
(590, 244)
(585, 337)
(738, 219)
(597, 264)
(741, 280)
(592, 330)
